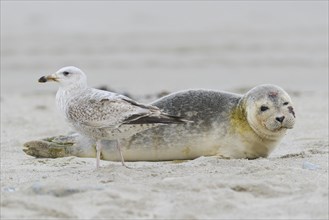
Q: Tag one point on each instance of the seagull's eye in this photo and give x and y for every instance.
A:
(263, 108)
(65, 73)
(285, 103)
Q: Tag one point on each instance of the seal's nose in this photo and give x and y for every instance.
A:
(280, 119)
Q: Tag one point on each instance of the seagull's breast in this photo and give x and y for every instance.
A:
(61, 101)
(66, 100)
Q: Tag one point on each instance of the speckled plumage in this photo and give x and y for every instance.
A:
(102, 115)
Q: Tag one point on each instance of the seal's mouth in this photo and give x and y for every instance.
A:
(276, 129)
(287, 127)
(282, 128)
(279, 129)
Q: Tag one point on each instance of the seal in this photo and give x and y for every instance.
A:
(226, 125)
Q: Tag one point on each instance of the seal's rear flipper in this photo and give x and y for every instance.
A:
(72, 144)
(47, 149)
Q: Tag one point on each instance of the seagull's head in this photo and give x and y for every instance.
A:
(66, 76)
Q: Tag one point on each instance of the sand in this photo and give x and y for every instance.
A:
(291, 184)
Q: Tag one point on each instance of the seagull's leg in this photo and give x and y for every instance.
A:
(122, 159)
(98, 153)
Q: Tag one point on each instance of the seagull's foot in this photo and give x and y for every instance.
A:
(126, 166)
(121, 156)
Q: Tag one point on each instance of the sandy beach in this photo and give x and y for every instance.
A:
(292, 183)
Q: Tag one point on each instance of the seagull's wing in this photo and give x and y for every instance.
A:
(155, 115)
(100, 112)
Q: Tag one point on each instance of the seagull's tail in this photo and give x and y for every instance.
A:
(171, 119)
(162, 118)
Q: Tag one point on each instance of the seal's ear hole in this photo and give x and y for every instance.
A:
(285, 103)
(264, 108)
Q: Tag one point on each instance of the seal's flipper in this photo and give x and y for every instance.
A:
(47, 149)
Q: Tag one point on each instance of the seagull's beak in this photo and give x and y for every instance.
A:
(51, 77)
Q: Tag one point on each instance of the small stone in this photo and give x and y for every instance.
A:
(310, 166)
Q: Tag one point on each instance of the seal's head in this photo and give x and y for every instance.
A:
(67, 76)
(269, 111)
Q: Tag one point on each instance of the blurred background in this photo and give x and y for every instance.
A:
(146, 47)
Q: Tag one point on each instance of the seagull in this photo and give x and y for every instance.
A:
(102, 115)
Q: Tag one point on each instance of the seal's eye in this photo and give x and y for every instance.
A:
(263, 108)
(65, 73)
(285, 103)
